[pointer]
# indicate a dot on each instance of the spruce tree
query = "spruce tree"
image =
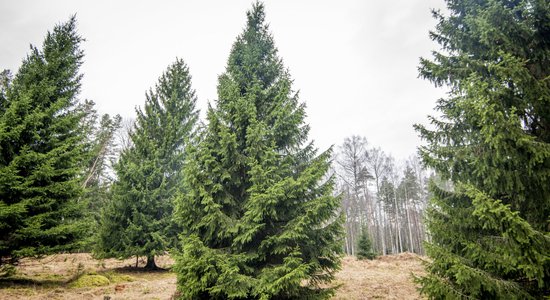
(42, 150)
(137, 220)
(387, 195)
(490, 234)
(364, 246)
(259, 217)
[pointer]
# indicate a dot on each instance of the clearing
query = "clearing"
(79, 276)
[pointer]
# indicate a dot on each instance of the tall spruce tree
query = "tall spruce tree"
(490, 234)
(259, 215)
(42, 150)
(137, 220)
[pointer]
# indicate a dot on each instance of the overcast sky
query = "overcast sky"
(354, 62)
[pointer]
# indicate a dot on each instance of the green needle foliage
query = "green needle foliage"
(137, 220)
(364, 246)
(490, 235)
(42, 150)
(259, 217)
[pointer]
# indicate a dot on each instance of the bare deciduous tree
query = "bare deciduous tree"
(386, 200)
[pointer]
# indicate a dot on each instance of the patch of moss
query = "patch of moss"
(117, 278)
(7, 271)
(90, 280)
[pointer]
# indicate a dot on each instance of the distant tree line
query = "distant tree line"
(381, 198)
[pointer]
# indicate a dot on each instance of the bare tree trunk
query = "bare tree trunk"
(381, 228)
(376, 232)
(397, 223)
(349, 236)
(352, 236)
(390, 231)
(346, 242)
(92, 171)
(372, 224)
(411, 244)
(419, 230)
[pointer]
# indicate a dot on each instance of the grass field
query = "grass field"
(79, 276)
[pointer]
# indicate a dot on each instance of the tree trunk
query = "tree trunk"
(397, 220)
(381, 214)
(382, 227)
(411, 242)
(390, 227)
(151, 263)
(353, 239)
(346, 243)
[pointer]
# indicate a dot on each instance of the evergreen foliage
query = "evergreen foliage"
(490, 235)
(259, 217)
(102, 155)
(387, 195)
(409, 188)
(42, 150)
(364, 246)
(137, 220)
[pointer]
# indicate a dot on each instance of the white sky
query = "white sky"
(354, 62)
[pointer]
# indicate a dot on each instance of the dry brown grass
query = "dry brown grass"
(51, 277)
(387, 277)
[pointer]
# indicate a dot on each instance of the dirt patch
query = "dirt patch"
(53, 277)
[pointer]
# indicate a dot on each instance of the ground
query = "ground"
(79, 276)
(386, 277)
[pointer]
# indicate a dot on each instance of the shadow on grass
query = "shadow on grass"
(141, 270)
(20, 281)
(49, 281)
(59, 281)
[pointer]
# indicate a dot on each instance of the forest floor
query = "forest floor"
(79, 276)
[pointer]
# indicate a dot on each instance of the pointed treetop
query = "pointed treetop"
(65, 37)
(256, 17)
(253, 58)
